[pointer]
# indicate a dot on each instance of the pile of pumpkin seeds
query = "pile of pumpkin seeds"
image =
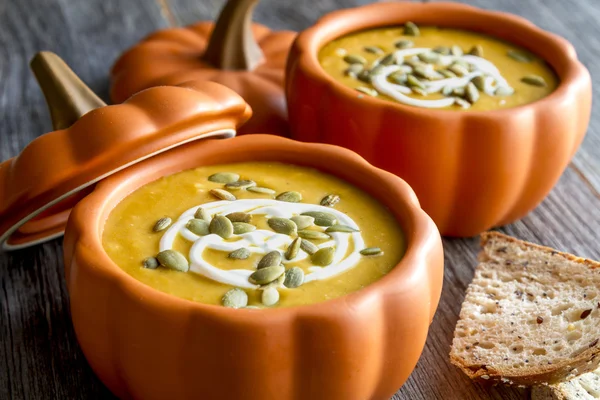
(416, 70)
(270, 272)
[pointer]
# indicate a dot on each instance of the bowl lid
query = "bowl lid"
(92, 141)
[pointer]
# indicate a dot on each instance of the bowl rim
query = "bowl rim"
(83, 238)
(310, 41)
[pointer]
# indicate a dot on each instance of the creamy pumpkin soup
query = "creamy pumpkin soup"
(435, 67)
(253, 235)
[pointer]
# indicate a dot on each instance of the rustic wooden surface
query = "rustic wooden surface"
(39, 355)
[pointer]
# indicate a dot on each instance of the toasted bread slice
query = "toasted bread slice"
(530, 316)
(584, 387)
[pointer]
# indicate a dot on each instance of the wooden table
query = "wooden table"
(39, 355)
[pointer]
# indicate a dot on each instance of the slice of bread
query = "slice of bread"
(530, 316)
(584, 387)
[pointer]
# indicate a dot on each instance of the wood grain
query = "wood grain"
(39, 355)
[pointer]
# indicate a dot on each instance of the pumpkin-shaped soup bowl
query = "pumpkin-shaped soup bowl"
(145, 344)
(472, 170)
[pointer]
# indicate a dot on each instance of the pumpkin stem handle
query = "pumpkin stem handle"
(232, 45)
(67, 96)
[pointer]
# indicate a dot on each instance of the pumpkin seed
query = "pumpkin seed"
(456, 50)
(321, 218)
(411, 29)
(313, 235)
(239, 217)
(479, 82)
(444, 50)
(224, 177)
(341, 228)
(458, 69)
(242, 227)
(376, 70)
(270, 297)
(150, 263)
(429, 57)
(398, 77)
(476, 51)
(266, 275)
(415, 63)
(447, 90)
(367, 91)
(462, 103)
(271, 259)
(243, 184)
(282, 225)
(353, 70)
(323, 257)
(294, 277)
(413, 82)
(371, 251)
(162, 224)
(201, 213)
(355, 59)
(330, 200)
(173, 259)
(293, 248)
(461, 62)
(388, 60)
(364, 76)
(290, 197)
(534, 80)
(471, 93)
(447, 73)
(221, 226)
(504, 91)
(459, 91)
(276, 283)
(261, 190)
(222, 194)
(303, 221)
(373, 49)
(403, 44)
(419, 91)
(240, 254)
(308, 247)
(519, 56)
(198, 226)
(235, 298)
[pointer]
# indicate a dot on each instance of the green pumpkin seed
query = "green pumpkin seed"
(419, 91)
(471, 93)
(456, 50)
(150, 263)
(403, 44)
(459, 91)
(323, 257)
(353, 70)
(242, 227)
(293, 248)
(303, 221)
(222, 194)
(447, 73)
(276, 283)
(261, 190)
(444, 50)
(330, 200)
(313, 235)
(162, 224)
(476, 51)
(308, 247)
(367, 91)
(458, 70)
(271, 259)
(447, 91)
(519, 56)
(414, 82)
(290, 197)
(371, 251)
(235, 298)
(282, 225)
(355, 59)
(479, 82)
(388, 60)
(504, 91)
(294, 277)
(198, 226)
(411, 29)
(373, 49)
(376, 70)
(534, 80)
(201, 213)
(221, 226)
(414, 63)
(429, 57)
(462, 103)
(244, 184)
(270, 297)
(341, 228)
(239, 217)
(322, 218)
(173, 259)
(398, 77)
(240, 254)
(266, 275)
(364, 76)
(224, 177)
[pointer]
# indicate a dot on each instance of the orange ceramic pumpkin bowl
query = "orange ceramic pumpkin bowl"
(145, 344)
(471, 170)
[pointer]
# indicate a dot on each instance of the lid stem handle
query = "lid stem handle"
(68, 98)
(232, 45)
